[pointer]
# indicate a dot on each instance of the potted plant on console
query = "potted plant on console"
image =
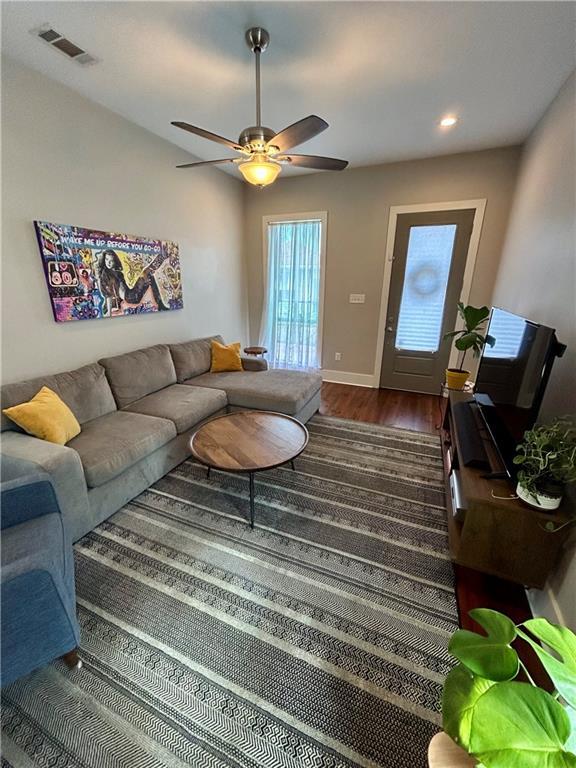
(547, 463)
(469, 337)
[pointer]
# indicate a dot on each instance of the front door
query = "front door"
(430, 251)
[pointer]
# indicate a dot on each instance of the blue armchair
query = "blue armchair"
(37, 576)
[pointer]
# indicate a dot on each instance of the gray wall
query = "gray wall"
(537, 278)
(68, 160)
(358, 203)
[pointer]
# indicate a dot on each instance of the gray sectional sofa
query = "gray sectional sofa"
(137, 412)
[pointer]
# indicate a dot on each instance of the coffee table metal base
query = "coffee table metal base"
(251, 484)
(251, 476)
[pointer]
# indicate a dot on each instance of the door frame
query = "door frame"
(479, 207)
(271, 218)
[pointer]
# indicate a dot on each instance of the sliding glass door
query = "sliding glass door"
(294, 279)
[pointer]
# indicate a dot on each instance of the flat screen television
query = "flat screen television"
(512, 378)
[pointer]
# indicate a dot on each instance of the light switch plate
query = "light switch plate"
(357, 298)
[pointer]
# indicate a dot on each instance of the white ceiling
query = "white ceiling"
(381, 73)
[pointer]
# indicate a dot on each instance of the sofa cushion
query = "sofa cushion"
(273, 390)
(110, 444)
(185, 406)
(139, 373)
(85, 391)
(192, 358)
(254, 363)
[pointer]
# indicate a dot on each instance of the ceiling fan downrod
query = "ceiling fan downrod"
(257, 40)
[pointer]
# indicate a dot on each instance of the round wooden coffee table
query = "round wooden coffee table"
(249, 441)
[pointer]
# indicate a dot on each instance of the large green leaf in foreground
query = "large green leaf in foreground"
(488, 656)
(562, 671)
(459, 698)
(515, 725)
(571, 743)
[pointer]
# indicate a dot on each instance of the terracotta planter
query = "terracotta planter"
(456, 379)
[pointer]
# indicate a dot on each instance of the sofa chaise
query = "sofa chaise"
(137, 412)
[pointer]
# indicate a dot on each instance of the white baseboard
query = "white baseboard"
(543, 603)
(346, 377)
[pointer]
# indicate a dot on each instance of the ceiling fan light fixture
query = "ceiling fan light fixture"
(259, 170)
(448, 121)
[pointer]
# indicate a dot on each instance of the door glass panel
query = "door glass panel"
(424, 292)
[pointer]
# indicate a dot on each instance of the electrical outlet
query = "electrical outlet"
(357, 298)
(338, 356)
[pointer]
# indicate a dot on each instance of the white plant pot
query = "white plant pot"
(539, 500)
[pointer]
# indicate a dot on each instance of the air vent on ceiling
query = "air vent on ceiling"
(62, 44)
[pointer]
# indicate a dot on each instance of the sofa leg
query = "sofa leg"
(72, 660)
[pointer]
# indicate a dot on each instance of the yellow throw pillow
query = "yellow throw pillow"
(45, 416)
(225, 357)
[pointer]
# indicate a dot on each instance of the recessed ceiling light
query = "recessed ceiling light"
(448, 121)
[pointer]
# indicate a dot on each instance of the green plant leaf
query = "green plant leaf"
(561, 639)
(549, 452)
(562, 671)
(466, 341)
(570, 745)
(489, 656)
(490, 340)
(461, 693)
(474, 316)
(516, 725)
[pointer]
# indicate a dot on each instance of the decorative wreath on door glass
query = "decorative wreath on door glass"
(424, 281)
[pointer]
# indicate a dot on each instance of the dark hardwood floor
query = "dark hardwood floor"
(381, 406)
(423, 413)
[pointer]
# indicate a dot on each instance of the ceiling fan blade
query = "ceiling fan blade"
(206, 134)
(315, 161)
(206, 162)
(298, 133)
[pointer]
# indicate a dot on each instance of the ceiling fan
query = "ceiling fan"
(262, 149)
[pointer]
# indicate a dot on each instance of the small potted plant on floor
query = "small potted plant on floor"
(494, 718)
(547, 461)
(470, 337)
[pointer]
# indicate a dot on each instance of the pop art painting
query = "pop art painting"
(93, 274)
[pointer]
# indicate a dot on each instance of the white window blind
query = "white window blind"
(292, 304)
(426, 276)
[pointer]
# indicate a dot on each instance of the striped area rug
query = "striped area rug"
(318, 639)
